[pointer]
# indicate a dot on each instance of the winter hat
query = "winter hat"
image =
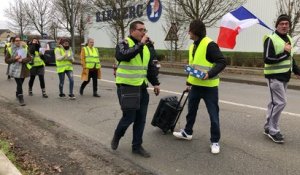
(283, 17)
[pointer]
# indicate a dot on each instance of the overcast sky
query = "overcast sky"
(4, 5)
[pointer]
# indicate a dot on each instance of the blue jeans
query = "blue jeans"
(137, 117)
(62, 80)
(211, 99)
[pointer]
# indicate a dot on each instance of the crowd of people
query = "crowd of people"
(26, 60)
(136, 68)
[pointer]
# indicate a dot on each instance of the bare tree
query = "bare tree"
(84, 20)
(17, 17)
(208, 11)
(67, 15)
(291, 8)
(39, 13)
(117, 15)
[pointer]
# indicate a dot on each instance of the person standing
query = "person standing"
(6, 47)
(279, 63)
(37, 67)
(18, 56)
(135, 68)
(91, 66)
(204, 55)
(64, 58)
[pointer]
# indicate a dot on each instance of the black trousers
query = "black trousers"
(94, 75)
(41, 78)
(19, 82)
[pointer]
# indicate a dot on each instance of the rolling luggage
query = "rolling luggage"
(168, 112)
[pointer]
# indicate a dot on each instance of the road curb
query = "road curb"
(6, 167)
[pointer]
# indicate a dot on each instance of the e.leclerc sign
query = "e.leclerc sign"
(154, 10)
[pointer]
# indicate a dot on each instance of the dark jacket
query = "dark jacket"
(25, 72)
(213, 55)
(270, 57)
(124, 53)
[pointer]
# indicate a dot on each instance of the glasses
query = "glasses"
(142, 30)
(18, 40)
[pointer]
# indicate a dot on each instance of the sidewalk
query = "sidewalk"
(246, 75)
(6, 167)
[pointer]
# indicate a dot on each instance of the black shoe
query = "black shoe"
(277, 138)
(45, 95)
(30, 92)
(115, 142)
(62, 95)
(266, 132)
(21, 100)
(72, 97)
(96, 95)
(141, 152)
(81, 91)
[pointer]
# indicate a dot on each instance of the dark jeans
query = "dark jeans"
(137, 117)
(211, 99)
(31, 81)
(19, 82)
(62, 80)
(94, 75)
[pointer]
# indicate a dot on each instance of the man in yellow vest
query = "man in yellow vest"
(279, 63)
(91, 66)
(6, 47)
(204, 55)
(64, 65)
(135, 68)
(37, 67)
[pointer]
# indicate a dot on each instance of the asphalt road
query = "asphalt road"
(244, 149)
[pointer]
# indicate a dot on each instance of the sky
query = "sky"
(3, 20)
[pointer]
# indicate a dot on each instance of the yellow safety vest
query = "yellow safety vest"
(200, 62)
(63, 65)
(37, 61)
(283, 66)
(91, 58)
(10, 50)
(133, 72)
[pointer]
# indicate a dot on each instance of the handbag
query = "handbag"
(130, 97)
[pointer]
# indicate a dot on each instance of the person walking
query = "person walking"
(6, 47)
(279, 63)
(204, 55)
(64, 58)
(135, 68)
(18, 56)
(91, 66)
(37, 67)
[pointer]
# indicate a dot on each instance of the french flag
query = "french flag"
(232, 23)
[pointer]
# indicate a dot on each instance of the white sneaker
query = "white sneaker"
(215, 148)
(182, 135)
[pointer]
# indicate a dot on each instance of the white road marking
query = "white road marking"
(221, 101)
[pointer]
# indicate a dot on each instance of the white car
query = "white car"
(2, 44)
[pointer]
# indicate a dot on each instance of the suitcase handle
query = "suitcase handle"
(178, 105)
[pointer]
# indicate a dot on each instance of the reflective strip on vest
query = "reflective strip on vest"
(91, 58)
(200, 62)
(283, 66)
(63, 65)
(132, 67)
(133, 72)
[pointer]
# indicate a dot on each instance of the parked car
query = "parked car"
(47, 48)
(2, 44)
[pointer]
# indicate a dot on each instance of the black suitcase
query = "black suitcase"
(168, 112)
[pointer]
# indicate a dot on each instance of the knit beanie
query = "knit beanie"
(283, 17)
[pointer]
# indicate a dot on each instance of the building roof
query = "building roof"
(5, 30)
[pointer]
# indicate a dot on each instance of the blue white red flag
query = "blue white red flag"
(234, 22)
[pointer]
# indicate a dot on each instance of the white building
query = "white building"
(249, 40)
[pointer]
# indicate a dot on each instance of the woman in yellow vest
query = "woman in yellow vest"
(91, 66)
(37, 67)
(64, 58)
(204, 55)
(18, 56)
(6, 47)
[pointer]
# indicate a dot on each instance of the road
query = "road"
(244, 149)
